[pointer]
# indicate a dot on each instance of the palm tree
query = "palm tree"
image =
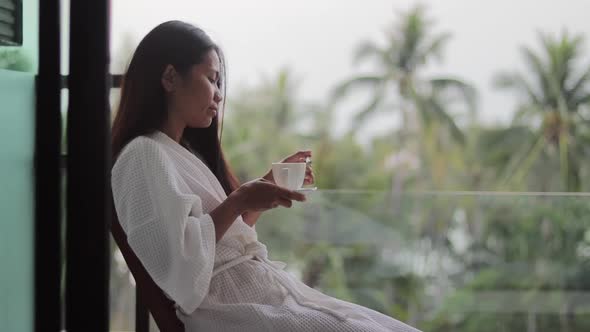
(428, 129)
(440, 138)
(554, 97)
(411, 44)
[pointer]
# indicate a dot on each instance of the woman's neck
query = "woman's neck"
(173, 129)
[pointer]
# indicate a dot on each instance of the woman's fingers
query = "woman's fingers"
(264, 180)
(309, 176)
(284, 202)
(291, 195)
(282, 196)
(299, 156)
(303, 154)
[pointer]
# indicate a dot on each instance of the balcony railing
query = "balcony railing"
(443, 261)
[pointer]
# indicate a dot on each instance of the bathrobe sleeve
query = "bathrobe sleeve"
(164, 222)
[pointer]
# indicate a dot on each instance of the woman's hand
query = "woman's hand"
(261, 195)
(251, 198)
(298, 157)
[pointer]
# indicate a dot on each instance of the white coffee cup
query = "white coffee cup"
(289, 175)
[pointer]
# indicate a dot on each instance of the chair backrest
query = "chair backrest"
(161, 307)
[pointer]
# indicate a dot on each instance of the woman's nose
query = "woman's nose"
(217, 97)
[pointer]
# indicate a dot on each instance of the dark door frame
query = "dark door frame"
(88, 165)
(88, 169)
(47, 173)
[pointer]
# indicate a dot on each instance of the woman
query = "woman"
(185, 215)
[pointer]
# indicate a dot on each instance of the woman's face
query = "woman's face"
(194, 100)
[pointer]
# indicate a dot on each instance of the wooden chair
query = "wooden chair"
(152, 296)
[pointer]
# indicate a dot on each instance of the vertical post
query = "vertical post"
(47, 172)
(88, 190)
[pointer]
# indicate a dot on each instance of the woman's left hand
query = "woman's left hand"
(298, 157)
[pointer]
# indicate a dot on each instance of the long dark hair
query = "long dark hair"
(142, 109)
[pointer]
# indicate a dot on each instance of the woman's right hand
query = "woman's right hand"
(261, 195)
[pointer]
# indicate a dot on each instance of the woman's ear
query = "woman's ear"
(169, 78)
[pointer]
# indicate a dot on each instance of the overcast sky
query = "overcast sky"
(317, 38)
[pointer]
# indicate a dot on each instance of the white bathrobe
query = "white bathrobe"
(163, 194)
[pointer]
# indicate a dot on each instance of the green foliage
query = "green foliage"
(429, 106)
(554, 95)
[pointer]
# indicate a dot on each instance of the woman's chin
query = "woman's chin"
(203, 124)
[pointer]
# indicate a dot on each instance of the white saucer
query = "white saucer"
(306, 189)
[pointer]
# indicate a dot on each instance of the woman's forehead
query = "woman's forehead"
(211, 61)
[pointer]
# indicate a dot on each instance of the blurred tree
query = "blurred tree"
(428, 128)
(410, 45)
(553, 97)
